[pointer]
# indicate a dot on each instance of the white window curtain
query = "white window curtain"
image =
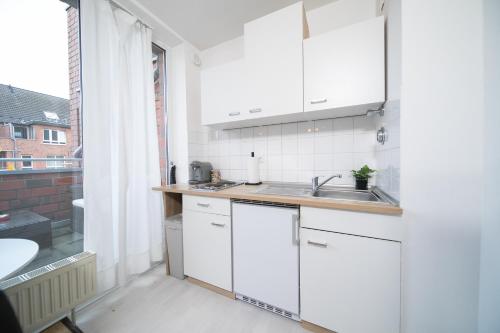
(122, 214)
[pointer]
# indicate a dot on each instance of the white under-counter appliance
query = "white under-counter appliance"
(266, 255)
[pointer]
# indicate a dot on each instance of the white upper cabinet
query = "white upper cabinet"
(222, 98)
(273, 61)
(345, 68)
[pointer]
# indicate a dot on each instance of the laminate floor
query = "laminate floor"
(157, 303)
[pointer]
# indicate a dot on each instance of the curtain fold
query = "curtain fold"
(122, 214)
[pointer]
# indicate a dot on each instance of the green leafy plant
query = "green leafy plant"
(363, 174)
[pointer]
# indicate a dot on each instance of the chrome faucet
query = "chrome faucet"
(316, 186)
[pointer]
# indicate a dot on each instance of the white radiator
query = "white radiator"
(45, 294)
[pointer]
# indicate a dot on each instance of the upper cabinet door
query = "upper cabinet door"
(273, 60)
(222, 95)
(345, 67)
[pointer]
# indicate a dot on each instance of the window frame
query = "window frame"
(59, 134)
(30, 162)
(25, 128)
(55, 165)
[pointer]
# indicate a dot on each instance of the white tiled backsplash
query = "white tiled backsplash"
(388, 155)
(291, 152)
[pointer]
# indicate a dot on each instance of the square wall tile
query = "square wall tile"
(274, 132)
(289, 145)
(343, 126)
(306, 145)
(323, 162)
(290, 162)
(323, 144)
(343, 143)
(305, 128)
(323, 127)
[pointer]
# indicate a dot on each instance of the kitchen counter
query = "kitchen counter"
(173, 203)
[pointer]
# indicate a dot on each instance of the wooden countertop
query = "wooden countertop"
(247, 192)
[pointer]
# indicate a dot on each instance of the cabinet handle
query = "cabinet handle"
(319, 101)
(218, 224)
(295, 229)
(232, 114)
(256, 110)
(203, 205)
(321, 244)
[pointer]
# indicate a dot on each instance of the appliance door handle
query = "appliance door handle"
(256, 110)
(320, 244)
(295, 229)
(319, 101)
(232, 114)
(203, 205)
(218, 224)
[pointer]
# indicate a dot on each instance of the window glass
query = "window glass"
(27, 164)
(3, 164)
(159, 86)
(20, 132)
(41, 179)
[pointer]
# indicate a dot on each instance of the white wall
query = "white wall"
(229, 51)
(322, 19)
(441, 163)
(388, 155)
(177, 120)
(489, 300)
(340, 13)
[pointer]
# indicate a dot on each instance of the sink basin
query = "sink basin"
(324, 192)
(347, 195)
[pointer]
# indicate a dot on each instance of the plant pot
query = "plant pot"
(362, 184)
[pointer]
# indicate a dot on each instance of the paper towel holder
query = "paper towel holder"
(252, 155)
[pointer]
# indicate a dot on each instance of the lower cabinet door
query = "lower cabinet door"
(207, 248)
(350, 284)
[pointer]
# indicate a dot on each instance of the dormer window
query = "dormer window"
(51, 116)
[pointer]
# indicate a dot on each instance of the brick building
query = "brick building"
(75, 115)
(33, 125)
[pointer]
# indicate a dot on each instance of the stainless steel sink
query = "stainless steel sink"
(347, 195)
(330, 192)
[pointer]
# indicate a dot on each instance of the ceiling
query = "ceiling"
(206, 23)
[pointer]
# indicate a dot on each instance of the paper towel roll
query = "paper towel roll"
(253, 170)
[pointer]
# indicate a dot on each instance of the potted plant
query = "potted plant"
(362, 175)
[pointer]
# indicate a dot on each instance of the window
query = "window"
(22, 132)
(3, 165)
(54, 137)
(44, 115)
(58, 163)
(159, 86)
(27, 164)
(51, 115)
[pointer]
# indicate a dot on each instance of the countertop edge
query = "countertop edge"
(356, 206)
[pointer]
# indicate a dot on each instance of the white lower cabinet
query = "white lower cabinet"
(350, 284)
(207, 248)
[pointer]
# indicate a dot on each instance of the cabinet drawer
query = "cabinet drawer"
(207, 248)
(206, 204)
(355, 223)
